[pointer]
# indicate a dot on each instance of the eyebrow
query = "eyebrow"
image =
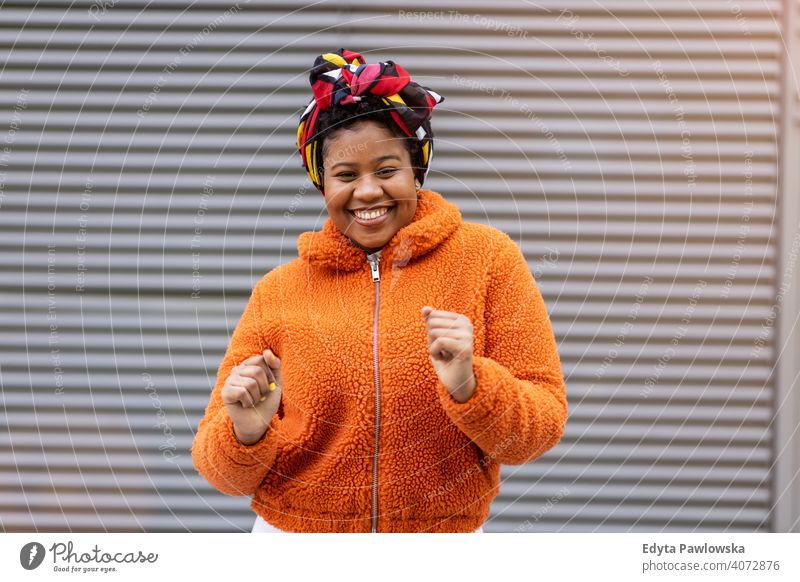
(379, 159)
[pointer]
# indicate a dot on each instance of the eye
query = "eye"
(387, 171)
(344, 174)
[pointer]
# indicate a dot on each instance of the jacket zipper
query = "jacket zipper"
(374, 263)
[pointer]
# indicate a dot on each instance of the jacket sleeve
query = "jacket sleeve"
(519, 407)
(228, 465)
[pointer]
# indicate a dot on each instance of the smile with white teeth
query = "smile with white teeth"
(372, 214)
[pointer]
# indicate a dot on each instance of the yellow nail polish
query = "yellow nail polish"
(272, 386)
(263, 398)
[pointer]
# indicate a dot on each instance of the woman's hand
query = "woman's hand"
(247, 396)
(450, 345)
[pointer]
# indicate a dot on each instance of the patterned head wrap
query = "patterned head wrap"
(342, 78)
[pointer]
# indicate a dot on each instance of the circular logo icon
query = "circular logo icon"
(31, 555)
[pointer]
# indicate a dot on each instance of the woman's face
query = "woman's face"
(366, 166)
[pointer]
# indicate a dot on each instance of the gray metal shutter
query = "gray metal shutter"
(149, 178)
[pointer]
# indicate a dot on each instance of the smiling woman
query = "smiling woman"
(413, 349)
(371, 193)
(369, 167)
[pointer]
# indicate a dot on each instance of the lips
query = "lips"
(375, 221)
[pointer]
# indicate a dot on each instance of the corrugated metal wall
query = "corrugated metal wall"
(149, 178)
(786, 474)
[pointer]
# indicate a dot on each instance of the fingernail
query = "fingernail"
(272, 387)
(263, 398)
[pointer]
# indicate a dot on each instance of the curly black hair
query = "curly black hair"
(333, 120)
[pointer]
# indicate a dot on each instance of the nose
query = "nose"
(368, 188)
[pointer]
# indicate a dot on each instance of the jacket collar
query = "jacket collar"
(434, 220)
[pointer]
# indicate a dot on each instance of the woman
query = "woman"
(414, 349)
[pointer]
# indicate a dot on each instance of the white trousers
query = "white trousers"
(262, 526)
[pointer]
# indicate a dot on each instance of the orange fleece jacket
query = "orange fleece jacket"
(355, 394)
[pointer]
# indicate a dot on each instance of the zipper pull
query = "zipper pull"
(373, 263)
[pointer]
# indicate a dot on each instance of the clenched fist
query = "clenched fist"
(450, 345)
(252, 395)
